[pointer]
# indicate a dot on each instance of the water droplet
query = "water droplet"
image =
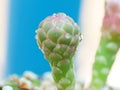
(80, 37)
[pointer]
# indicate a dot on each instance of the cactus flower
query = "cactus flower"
(58, 37)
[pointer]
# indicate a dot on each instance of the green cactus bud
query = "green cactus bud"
(58, 37)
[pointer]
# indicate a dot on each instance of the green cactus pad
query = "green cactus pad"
(58, 37)
(108, 46)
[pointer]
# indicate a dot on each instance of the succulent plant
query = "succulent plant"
(109, 44)
(58, 37)
(28, 81)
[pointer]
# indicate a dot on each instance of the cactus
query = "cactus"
(58, 37)
(109, 45)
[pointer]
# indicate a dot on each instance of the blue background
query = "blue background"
(25, 15)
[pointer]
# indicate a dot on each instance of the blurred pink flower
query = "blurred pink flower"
(112, 15)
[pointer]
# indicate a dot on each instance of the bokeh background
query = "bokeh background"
(18, 48)
(24, 16)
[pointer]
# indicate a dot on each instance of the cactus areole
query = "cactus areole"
(58, 37)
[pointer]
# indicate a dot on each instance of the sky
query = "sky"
(24, 18)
